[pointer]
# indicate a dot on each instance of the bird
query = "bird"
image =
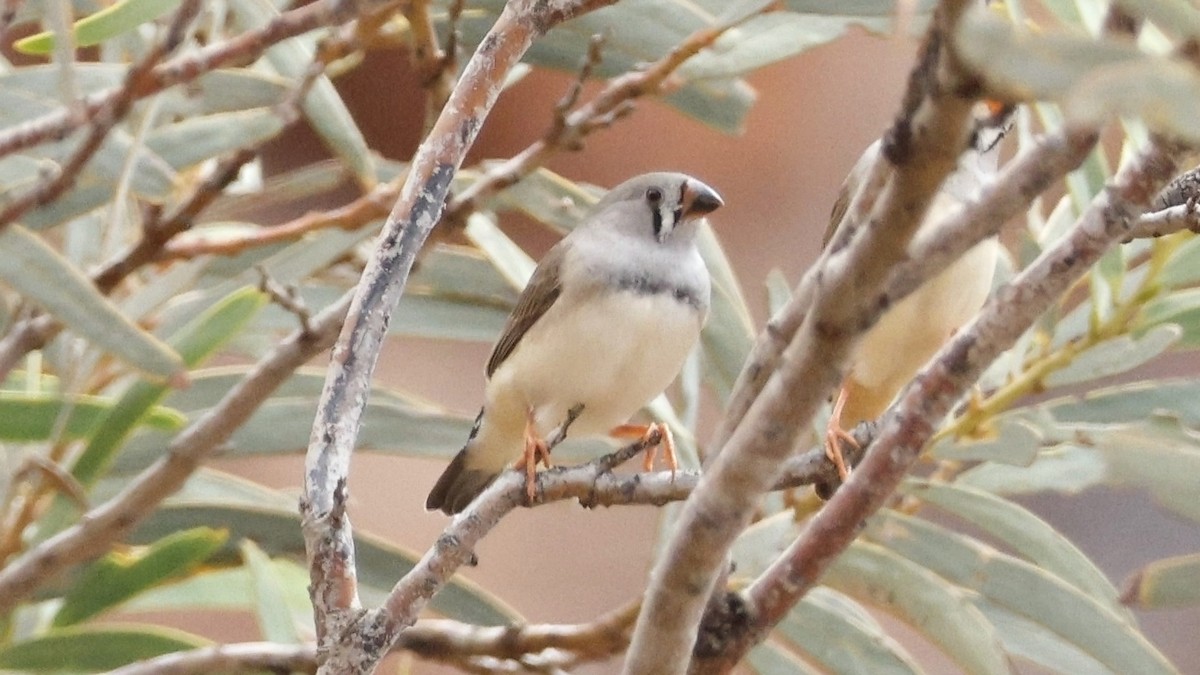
(909, 333)
(604, 325)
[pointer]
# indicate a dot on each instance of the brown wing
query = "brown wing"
(543, 289)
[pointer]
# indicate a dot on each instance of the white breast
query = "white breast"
(612, 353)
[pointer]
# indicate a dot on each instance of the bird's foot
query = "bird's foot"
(834, 436)
(536, 450)
(642, 432)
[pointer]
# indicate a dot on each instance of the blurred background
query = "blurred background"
(779, 177)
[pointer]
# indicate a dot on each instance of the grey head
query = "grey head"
(661, 206)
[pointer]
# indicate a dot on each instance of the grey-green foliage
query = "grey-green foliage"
(1009, 588)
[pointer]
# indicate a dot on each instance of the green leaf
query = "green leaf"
(1023, 588)
(1181, 308)
(323, 107)
(779, 291)
(1093, 80)
(1132, 402)
(195, 139)
(1182, 269)
(26, 418)
(546, 197)
(195, 342)
(1030, 641)
(1021, 529)
(38, 272)
(769, 658)
(92, 649)
(763, 40)
(274, 616)
(842, 637)
(271, 522)
(510, 261)
(117, 577)
(1116, 356)
(1159, 456)
(729, 334)
(941, 612)
(226, 589)
(1165, 584)
(1012, 439)
(1069, 469)
(119, 17)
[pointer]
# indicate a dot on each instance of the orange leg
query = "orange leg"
(835, 434)
(642, 431)
(536, 451)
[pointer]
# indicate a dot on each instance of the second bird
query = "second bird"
(606, 322)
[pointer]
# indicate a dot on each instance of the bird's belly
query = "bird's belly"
(910, 333)
(612, 354)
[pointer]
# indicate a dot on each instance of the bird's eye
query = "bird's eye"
(654, 195)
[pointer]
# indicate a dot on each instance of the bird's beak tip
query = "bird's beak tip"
(699, 199)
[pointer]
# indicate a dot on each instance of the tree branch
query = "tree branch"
(684, 576)
(909, 424)
(352, 646)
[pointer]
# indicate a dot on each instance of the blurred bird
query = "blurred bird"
(606, 322)
(912, 331)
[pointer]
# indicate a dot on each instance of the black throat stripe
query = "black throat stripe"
(642, 285)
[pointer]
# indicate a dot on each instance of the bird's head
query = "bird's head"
(658, 205)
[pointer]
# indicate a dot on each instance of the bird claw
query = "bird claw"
(536, 450)
(643, 432)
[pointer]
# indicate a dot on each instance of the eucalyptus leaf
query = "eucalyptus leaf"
(1182, 269)
(1021, 529)
(195, 342)
(277, 531)
(1094, 80)
(323, 107)
(762, 40)
(1010, 439)
(943, 613)
(195, 139)
(274, 617)
(1028, 640)
(117, 18)
(1181, 308)
(117, 577)
(1116, 356)
(769, 658)
(90, 649)
(39, 273)
(1023, 588)
(842, 641)
(1165, 584)
(27, 418)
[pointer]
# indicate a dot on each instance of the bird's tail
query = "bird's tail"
(459, 484)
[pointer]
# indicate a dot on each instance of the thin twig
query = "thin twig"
(231, 658)
(103, 120)
(60, 123)
(287, 297)
(568, 131)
